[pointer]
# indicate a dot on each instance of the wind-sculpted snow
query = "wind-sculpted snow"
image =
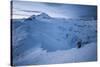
(40, 37)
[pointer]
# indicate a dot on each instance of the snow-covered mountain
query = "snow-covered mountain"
(51, 34)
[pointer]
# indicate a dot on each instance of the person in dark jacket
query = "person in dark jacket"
(79, 44)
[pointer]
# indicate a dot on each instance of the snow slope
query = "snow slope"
(39, 56)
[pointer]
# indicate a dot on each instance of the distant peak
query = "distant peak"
(43, 15)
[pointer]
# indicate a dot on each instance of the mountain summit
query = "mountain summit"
(43, 15)
(39, 16)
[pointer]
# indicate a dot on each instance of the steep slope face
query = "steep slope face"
(40, 31)
(51, 34)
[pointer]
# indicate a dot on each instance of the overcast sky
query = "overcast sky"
(22, 9)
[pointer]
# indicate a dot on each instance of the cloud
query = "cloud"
(25, 10)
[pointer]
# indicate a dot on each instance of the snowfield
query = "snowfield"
(39, 56)
(42, 39)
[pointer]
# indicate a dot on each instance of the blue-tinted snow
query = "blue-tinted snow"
(40, 56)
(40, 37)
